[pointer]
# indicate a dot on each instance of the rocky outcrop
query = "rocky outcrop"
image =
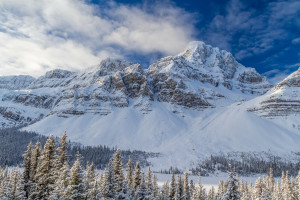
(282, 100)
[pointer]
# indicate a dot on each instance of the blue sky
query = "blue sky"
(74, 34)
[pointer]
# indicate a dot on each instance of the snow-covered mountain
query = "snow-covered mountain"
(185, 106)
(281, 103)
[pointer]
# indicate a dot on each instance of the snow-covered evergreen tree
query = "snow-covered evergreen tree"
(186, 186)
(76, 187)
(232, 192)
(12, 188)
(45, 175)
(61, 183)
(165, 191)
(90, 181)
(26, 180)
(172, 189)
(137, 176)
(179, 193)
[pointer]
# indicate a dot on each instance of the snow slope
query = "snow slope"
(182, 137)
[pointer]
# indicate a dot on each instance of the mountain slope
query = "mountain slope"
(281, 103)
(182, 137)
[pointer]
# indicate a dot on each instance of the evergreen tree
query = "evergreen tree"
(62, 151)
(76, 187)
(129, 174)
(61, 183)
(186, 186)
(136, 176)
(149, 183)
(26, 170)
(165, 191)
(90, 180)
(141, 192)
(199, 193)
(232, 192)
(211, 194)
(45, 175)
(179, 194)
(172, 189)
(155, 188)
(118, 176)
(12, 188)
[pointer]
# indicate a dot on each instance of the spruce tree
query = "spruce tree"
(179, 193)
(26, 170)
(45, 175)
(232, 192)
(186, 186)
(172, 187)
(76, 187)
(118, 175)
(165, 191)
(129, 174)
(136, 176)
(90, 180)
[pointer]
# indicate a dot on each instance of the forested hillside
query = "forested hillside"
(13, 143)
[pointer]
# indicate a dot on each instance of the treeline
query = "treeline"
(13, 143)
(246, 164)
(47, 175)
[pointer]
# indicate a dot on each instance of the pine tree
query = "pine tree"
(155, 188)
(149, 183)
(211, 194)
(26, 170)
(36, 153)
(172, 190)
(35, 157)
(129, 174)
(12, 188)
(136, 176)
(76, 187)
(90, 180)
(45, 176)
(232, 192)
(118, 176)
(62, 151)
(179, 193)
(141, 192)
(61, 183)
(186, 186)
(192, 188)
(165, 191)
(199, 193)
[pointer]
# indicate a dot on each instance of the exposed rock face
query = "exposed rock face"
(196, 79)
(206, 64)
(282, 100)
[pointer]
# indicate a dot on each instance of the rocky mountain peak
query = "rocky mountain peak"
(292, 80)
(111, 65)
(57, 73)
(282, 100)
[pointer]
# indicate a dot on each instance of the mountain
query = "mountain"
(281, 103)
(186, 107)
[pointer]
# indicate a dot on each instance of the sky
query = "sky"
(38, 36)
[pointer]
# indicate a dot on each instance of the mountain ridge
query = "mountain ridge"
(199, 101)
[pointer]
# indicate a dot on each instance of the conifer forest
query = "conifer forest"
(46, 174)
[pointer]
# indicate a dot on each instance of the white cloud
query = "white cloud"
(41, 35)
